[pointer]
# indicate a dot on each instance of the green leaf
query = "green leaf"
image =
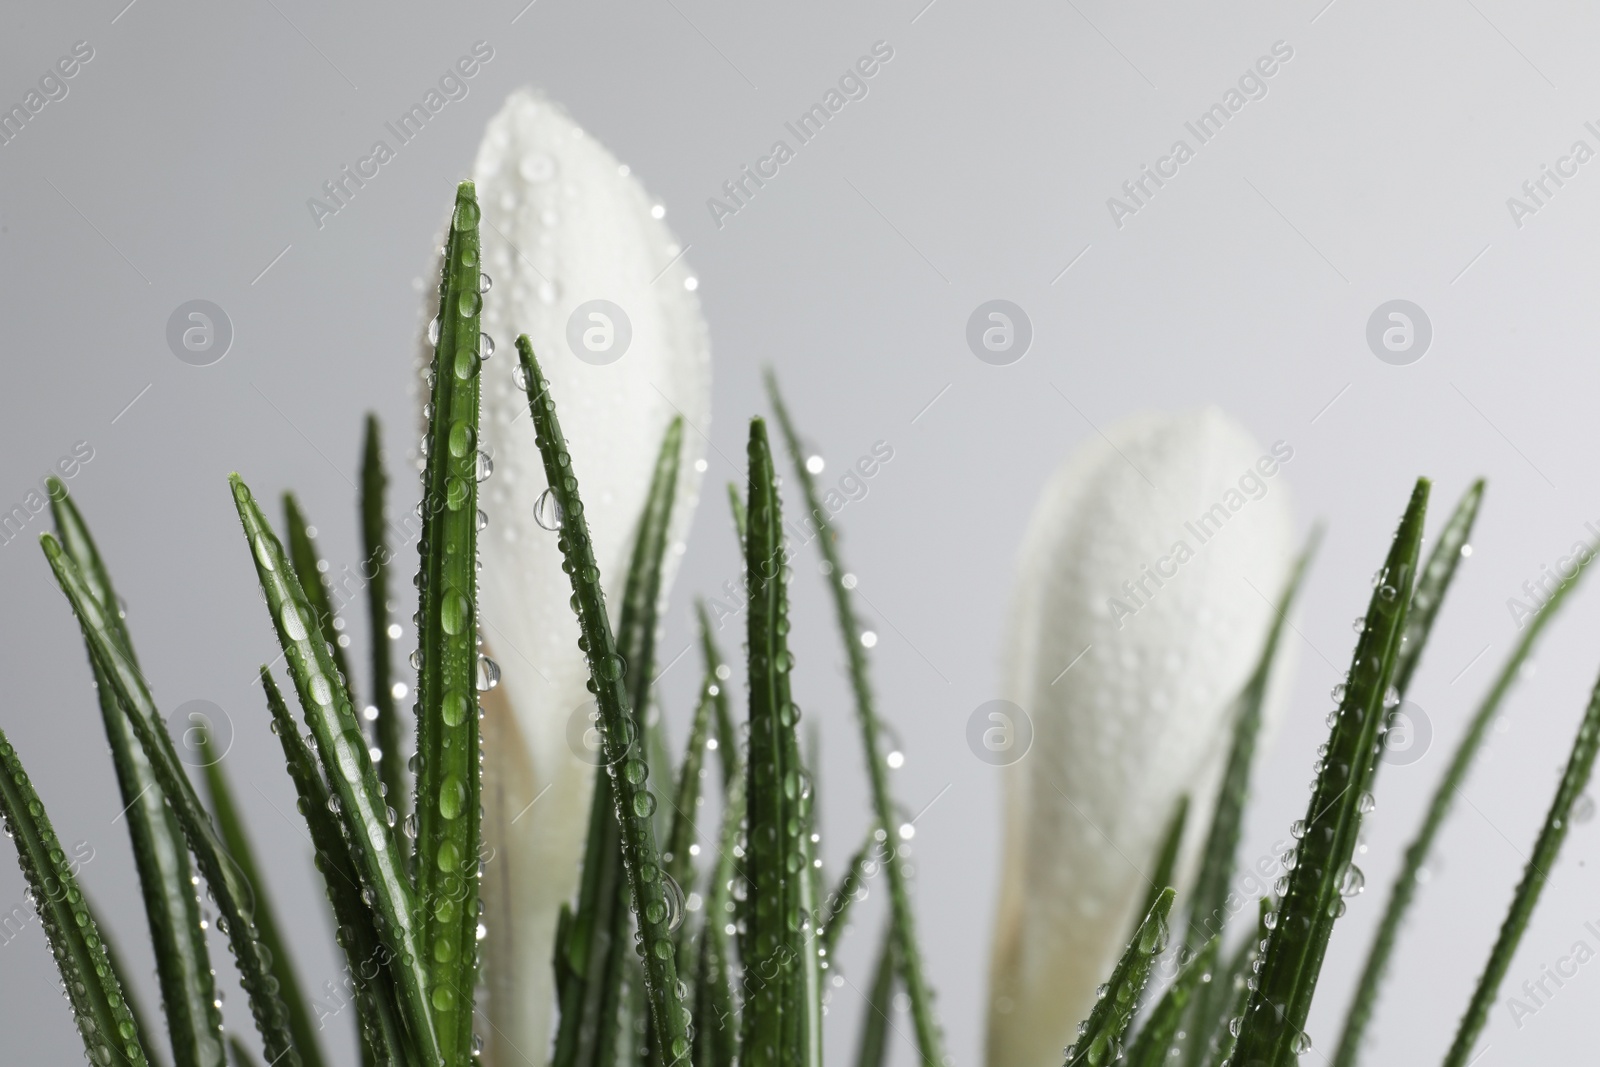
(836, 907)
(342, 750)
(1225, 1030)
(1545, 852)
(226, 815)
(783, 1019)
(717, 667)
(686, 810)
(378, 1001)
(231, 891)
(240, 1054)
(620, 736)
(93, 988)
(873, 1051)
(736, 503)
(1153, 1046)
(141, 1018)
(930, 1041)
(1274, 1022)
(375, 550)
(1166, 866)
(1099, 1041)
(1431, 587)
(717, 1026)
(308, 563)
(172, 909)
(449, 773)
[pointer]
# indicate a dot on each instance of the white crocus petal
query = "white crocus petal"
(1140, 718)
(563, 224)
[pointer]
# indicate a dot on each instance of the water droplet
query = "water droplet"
(488, 674)
(547, 511)
(1270, 920)
(1583, 809)
(1336, 908)
(672, 892)
(454, 613)
(1366, 804)
(1297, 829)
(1301, 1043)
(444, 998)
(482, 467)
(460, 438)
(455, 707)
(1351, 881)
(1387, 592)
(294, 626)
(264, 552)
(519, 377)
(469, 304)
(452, 795)
(448, 857)
(433, 331)
(1337, 693)
(466, 214)
(644, 804)
(416, 659)
(485, 283)
(1391, 697)
(1333, 719)
(485, 346)
(321, 691)
(483, 524)
(467, 363)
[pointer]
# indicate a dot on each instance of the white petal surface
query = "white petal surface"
(1141, 718)
(563, 224)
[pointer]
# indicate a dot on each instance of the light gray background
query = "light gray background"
(1377, 167)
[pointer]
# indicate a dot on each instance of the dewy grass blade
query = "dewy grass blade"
(342, 750)
(736, 504)
(1161, 876)
(930, 1042)
(141, 1018)
(1100, 1037)
(782, 1019)
(232, 893)
(172, 907)
(717, 667)
(1436, 576)
(93, 988)
(591, 943)
(621, 740)
(836, 908)
(1273, 1030)
(686, 809)
(1153, 1046)
(375, 572)
(308, 564)
(1208, 911)
(240, 1054)
(873, 1051)
(226, 816)
(717, 1027)
(1545, 852)
(377, 1000)
(449, 771)
(1236, 985)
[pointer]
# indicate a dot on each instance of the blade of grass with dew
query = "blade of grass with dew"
(341, 748)
(172, 907)
(1100, 1036)
(1153, 1045)
(1161, 876)
(225, 813)
(240, 1054)
(635, 805)
(717, 667)
(716, 1025)
(930, 1041)
(116, 961)
(1208, 911)
(451, 671)
(231, 892)
(308, 563)
(736, 503)
(1435, 581)
(782, 1020)
(1546, 850)
(93, 987)
(1274, 1021)
(1237, 985)
(377, 1000)
(836, 907)
(686, 810)
(375, 550)
(873, 1050)
(590, 956)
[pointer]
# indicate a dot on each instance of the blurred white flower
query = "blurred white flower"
(564, 225)
(1144, 592)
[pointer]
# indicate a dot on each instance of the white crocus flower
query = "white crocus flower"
(564, 225)
(1146, 585)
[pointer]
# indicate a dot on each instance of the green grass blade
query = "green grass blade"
(449, 772)
(1545, 852)
(172, 908)
(930, 1041)
(1274, 1022)
(1153, 1046)
(836, 906)
(717, 667)
(239, 1054)
(377, 998)
(342, 750)
(620, 737)
(686, 810)
(94, 989)
(873, 1050)
(375, 550)
(1100, 1036)
(231, 891)
(1435, 581)
(308, 564)
(225, 813)
(782, 1021)
(1162, 875)
(141, 1018)
(1220, 1035)
(736, 504)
